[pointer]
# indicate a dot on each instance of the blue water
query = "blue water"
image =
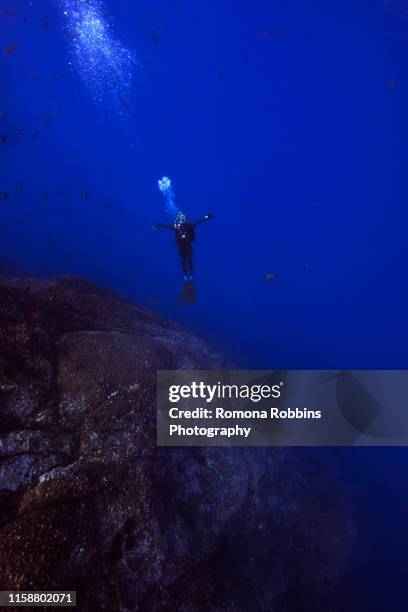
(288, 121)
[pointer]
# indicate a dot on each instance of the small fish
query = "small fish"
(33, 74)
(65, 189)
(45, 195)
(3, 137)
(266, 34)
(158, 35)
(5, 195)
(271, 276)
(279, 32)
(18, 132)
(34, 135)
(19, 189)
(56, 76)
(220, 76)
(85, 194)
(1, 114)
(47, 24)
(10, 49)
(392, 84)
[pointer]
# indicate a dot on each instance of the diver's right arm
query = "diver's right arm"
(163, 226)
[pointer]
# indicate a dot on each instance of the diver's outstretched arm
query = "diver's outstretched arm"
(163, 226)
(203, 219)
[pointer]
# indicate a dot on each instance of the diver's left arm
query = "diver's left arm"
(203, 219)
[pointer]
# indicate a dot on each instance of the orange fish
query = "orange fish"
(10, 49)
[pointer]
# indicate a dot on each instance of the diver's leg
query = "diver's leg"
(190, 265)
(183, 259)
(191, 293)
(184, 265)
(190, 262)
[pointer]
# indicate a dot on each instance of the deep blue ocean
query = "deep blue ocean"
(289, 121)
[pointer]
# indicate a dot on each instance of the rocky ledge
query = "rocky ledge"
(89, 503)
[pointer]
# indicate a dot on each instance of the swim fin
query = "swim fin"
(191, 293)
(183, 294)
(187, 293)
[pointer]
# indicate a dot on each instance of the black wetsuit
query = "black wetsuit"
(184, 237)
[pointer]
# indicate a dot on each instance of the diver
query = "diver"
(184, 237)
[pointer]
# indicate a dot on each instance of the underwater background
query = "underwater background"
(288, 121)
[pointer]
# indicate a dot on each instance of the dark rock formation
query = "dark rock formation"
(89, 503)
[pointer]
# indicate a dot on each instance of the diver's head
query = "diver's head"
(180, 219)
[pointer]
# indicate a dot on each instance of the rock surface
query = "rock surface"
(89, 503)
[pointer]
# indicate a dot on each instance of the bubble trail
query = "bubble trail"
(166, 188)
(104, 64)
